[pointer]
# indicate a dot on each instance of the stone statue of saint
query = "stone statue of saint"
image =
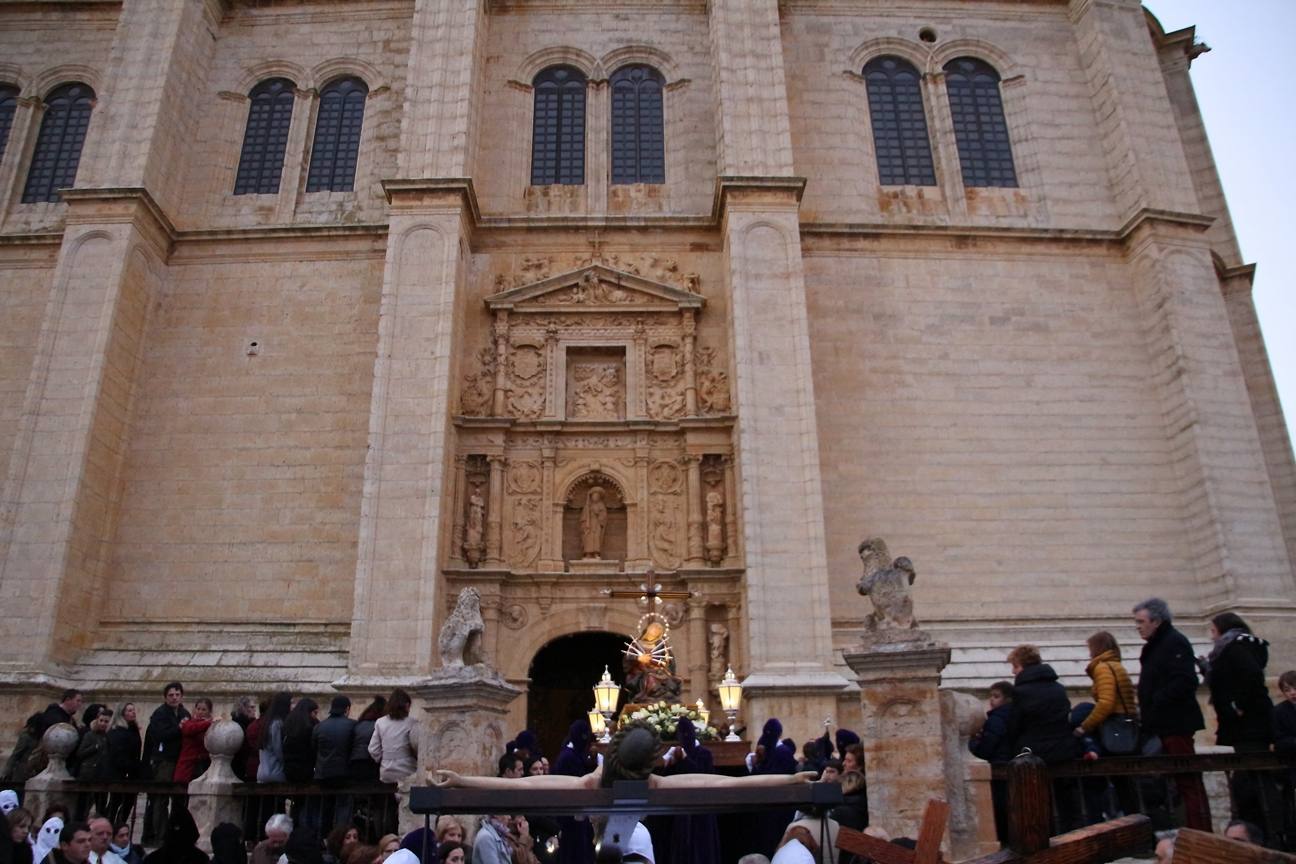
(714, 527)
(886, 583)
(649, 667)
(593, 523)
(718, 644)
(473, 530)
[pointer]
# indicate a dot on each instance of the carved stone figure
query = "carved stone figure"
(479, 386)
(475, 528)
(718, 650)
(886, 583)
(593, 522)
(597, 392)
(460, 639)
(715, 546)
(713, 383)
(526, 532)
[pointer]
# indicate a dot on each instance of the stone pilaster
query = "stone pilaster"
(62, 486)
(441, 102)
(1145, 157)
(1234, 538)
(146, 116)
(904, 749)
(408, 474)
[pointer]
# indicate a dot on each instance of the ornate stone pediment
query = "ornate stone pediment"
(595, 288)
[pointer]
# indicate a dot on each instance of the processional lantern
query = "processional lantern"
(606, 692)
(730, 698)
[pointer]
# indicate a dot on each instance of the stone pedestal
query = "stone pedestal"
(904, 751)
(59, 741)
(211, 796)
(465, 710)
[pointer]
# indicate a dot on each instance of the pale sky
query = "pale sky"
(1243, 87)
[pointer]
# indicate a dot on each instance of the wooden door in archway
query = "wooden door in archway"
(562, 678)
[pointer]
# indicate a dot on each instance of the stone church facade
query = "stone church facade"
(352, 304)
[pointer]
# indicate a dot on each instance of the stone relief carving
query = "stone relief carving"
(479, 386)
(674, 613)
(665, 383)
(665, 477)
(524, 540)
(596, 392)
(461, 634)
(533, 269)
(526, 397)
(715, 542)
(712, 382)
(475, 528)
(514, 616)
(663, 532)
(524, 477)
(886, 583)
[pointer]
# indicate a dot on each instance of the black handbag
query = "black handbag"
(1119, 733)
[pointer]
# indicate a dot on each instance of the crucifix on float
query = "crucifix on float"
(649, 662)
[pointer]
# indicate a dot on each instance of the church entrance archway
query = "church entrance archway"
(562, 677)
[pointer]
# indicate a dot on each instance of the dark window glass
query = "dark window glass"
(58, 146)
(337, 136)
(558, 133)
(900, 137)
(8, 105)
(979, 127)
(269, 117)
(638, 134)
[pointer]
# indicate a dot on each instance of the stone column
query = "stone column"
(698, 653)
(731, 510)
(693, 465)
(211, 796)
(499, 329)
(59, 741)
(460, 503)
(495, 511)
(550, 554)
(904, 749)
(690, 363)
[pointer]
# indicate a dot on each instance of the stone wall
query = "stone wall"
(26, 275)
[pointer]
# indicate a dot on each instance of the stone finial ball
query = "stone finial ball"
(224, 738)
(61, 739)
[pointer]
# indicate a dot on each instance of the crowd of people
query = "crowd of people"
(1159, 714)
(286, 742)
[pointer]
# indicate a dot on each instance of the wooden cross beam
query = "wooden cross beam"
(651, 592)
(1198, 847)
(930, 832)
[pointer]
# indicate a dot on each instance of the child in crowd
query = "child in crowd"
(993, 743)
(1284, 723)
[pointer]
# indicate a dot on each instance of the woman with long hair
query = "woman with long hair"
(270, 746)
(298, 752)
(361, 767)
(1114, 696)
(393, 745)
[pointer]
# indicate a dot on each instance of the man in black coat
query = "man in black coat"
(162, 751)
(1167, 695)
(332, 744)
(62, 711)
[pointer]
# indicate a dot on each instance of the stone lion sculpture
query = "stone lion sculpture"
(886, 583)
(461, 634)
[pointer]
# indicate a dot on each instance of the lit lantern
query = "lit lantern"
(730, 698)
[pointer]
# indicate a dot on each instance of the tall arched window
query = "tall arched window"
(266, 137)
(904, 155)
(638, 129)
(979, 127)
(58, 146)
(337, 136)
(558, 131)
(8, 105)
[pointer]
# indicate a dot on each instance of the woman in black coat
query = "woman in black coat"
(124, 748)
(1042, 724)
(1234, 672)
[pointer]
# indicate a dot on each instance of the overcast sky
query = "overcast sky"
(1246, 97)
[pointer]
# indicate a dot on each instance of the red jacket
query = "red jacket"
(193, 751)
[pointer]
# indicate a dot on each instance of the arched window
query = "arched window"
(337, 136)
(558, 132)
(638, 133)
(58, 146)
(979, 127)
(8, 105)
(266, 137)
(904, 155)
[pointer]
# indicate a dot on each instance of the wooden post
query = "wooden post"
(1030, 805)
(1196, 847)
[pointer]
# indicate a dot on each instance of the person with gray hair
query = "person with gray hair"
(1167, 698)
(277, 829)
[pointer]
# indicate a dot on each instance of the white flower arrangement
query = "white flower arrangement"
(664, 718)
